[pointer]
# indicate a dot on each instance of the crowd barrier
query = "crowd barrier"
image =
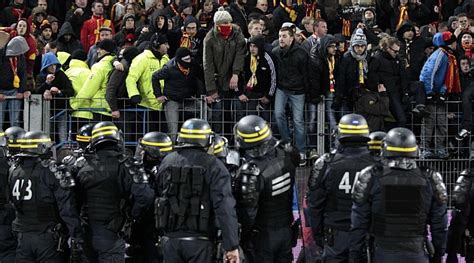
(62, 122)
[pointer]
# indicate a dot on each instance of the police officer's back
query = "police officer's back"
(396, 201)
(330, 187)
(266, 182)
(105, 189)
(41, 204)
(461, 227)
(151, 149)
(195, 196)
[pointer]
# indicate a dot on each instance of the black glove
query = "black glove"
(136, 99)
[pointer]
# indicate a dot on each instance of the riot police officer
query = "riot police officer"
(330, 187)
(194, 196)
(83, 136)
(396, 201)
(266, 181)
(461, 228)
(7, 213)
(376, 143)
(13, 135)
(151, 149)
(105, 186)
(40, 204)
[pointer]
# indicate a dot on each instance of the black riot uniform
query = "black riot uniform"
(42, 205)
(396, 201)
(330, 188)
(151, 149)
(195, 196)
(107, 191)
(265, 192)
(461, 228)
(7, 213)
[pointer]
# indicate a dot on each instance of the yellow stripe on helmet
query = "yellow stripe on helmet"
(401, 149)
(255, 134)
(167, 149)
(104, 129)
(14, 145)
(375, 147)
(34, 140)
(192, 136)
(344, 131)
(356, 127)
(103, 133)
(157, 144)
(259, 138)
(218, 150)
(29, 146)
(196, 131)
(2, 134)
(375, 142)
(81, 138)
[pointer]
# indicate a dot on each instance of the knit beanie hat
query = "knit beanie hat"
(222, 16)
(448, 38)
(79, 54)
(358, 38)
(130, 53)
(107, 45)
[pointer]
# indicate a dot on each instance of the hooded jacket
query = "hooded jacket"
(266, 71)
(139, 78)
(434, 71)
(319, 73)
(144, 38)
(177, 85)
(197, 42)
(33, 49)
(222, 58)
(61, 81)
(13, 48)
(412, 51)
(92, 93)
(78, 72)
(72, 44)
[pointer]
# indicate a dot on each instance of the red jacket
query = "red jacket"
(90, 30)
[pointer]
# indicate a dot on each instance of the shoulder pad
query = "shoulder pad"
(462, 188)
(249, 168)
(439, 188)
(361, 186)
(316, 171)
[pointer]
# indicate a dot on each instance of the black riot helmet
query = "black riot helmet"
(376, 142)
(195, 133)
(156, 144)
(13, 135)
(105, 131)
(400, 142)
(83, 136)
(353, 128)
(254, 136)
(221, 146)
(35, 144)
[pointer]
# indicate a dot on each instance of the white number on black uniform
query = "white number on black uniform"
(18, 186)
(345, 183)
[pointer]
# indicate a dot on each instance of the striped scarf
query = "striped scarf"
(291, 12)
(403, 15)
(452, 80)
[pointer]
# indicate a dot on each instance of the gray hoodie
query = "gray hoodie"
(17, 46)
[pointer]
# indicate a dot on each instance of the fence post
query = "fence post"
(320, 140)
(203, 108)
(36, 113)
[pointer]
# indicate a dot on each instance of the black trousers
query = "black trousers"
(183, 251)
(37, 247)
(274, 245)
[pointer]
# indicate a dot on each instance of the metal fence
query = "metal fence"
(61, 121)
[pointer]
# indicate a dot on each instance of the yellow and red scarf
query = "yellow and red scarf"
(403, 15)
(185, 41)
(292, 13)
(332, 80)
(14, 67)
(253, 68)
(184, 70)
(451, 80)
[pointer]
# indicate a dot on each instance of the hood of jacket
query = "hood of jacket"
(190, 19)
(48, 60)
(17, 46)
(66, 28)
(154, 18)
(259, 41)
(324, 44)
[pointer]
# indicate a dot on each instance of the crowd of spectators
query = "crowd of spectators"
(374, 57)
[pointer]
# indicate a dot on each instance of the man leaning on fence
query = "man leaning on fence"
(180, 89)
(13, 78)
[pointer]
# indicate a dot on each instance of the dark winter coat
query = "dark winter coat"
(319, 69)
(70, 46)
(384, 69)
(292, 69)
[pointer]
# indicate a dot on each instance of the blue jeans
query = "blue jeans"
(331, 114)
(297, 107)
(312, 123)
(13, 106)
